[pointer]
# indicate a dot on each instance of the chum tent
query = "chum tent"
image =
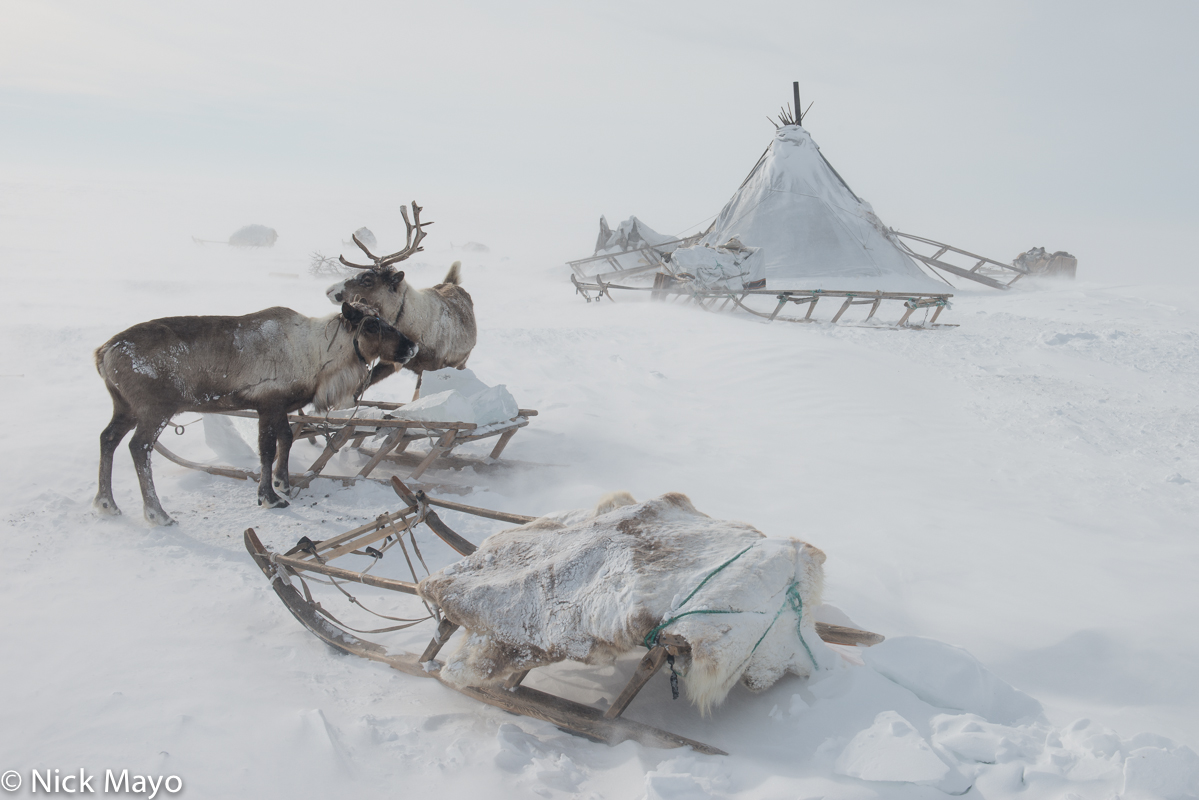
(812, 231)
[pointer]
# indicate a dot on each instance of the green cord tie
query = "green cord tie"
(796, 603)
(651, 638)
(793, 600)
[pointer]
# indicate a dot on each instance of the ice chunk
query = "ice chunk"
(460, 380)
(495, 404)
(1157, 772)
(949, 677)
(892, 750)
(226, 441)
(448, 406)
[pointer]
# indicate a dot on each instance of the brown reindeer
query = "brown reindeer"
(274, 362)
(441, 318)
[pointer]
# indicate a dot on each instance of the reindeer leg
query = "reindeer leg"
(419, 377)
(268, 436)
(284, 437)
(140, 446)
(122, 422)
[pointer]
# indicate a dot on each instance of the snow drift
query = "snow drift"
(590, 585)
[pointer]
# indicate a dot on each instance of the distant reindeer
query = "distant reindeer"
(274, 362)
(441, 319)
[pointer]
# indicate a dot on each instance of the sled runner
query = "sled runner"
(397, 436)
(310, 560)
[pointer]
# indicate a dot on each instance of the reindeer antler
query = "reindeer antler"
(412, 245)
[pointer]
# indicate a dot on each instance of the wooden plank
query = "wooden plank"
(445, 629)
(839, 634)
(358, 422)
(811, 306)
(515, 679)
(334, 444)
(444, 445)
(365, 540)
(964, 273)
(502, 443)
(844, 307)
(443, 531)
(649, 666)
(381, 521)
(224, 472)
(581, 719)
(406, 587)
(384, 448)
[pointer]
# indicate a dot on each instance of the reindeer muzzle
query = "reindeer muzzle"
(406, 351)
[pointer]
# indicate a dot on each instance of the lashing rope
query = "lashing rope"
(792, 600)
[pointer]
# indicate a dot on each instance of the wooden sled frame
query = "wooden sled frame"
(986, 271)
(609, 726)
(398, 435)
(667, 286)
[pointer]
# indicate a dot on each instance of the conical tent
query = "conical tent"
(813, 231)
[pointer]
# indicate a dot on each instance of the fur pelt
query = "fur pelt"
(590, 585)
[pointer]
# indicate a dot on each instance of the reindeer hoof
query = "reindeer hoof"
(106, 507)
(160, 518)
(278, 502)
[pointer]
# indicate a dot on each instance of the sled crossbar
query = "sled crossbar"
(608, 725)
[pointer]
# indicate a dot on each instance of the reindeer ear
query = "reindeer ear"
(352, 314)
(395, 278)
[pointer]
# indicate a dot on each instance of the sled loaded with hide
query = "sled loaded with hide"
(713, 602)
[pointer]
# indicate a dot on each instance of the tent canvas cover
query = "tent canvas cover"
(813, 231)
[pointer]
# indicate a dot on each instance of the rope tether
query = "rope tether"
(792, 600)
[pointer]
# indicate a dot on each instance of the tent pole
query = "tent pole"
(795, 91)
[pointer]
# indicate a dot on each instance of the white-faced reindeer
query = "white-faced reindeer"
(274, 362)
(441, 318)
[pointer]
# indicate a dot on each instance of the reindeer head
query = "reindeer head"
(380, 279)
(374, 338)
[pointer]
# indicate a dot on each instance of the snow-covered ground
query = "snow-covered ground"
(1023, 487)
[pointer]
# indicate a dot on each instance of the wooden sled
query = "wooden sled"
(608, 725)
(672, 288)
(398, 434)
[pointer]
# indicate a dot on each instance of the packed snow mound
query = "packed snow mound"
(254, 236)
(885, 734)
(892, 749)
(456, 395)
(366, 236)
(814, 232)
(589, 586)
(949, 677)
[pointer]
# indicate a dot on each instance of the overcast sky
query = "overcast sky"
(993, 126)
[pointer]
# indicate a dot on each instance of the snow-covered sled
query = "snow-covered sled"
(666, 640)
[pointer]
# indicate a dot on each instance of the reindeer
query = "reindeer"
(274, 362)
(441, 318)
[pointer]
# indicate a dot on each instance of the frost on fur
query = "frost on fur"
(590, 585)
